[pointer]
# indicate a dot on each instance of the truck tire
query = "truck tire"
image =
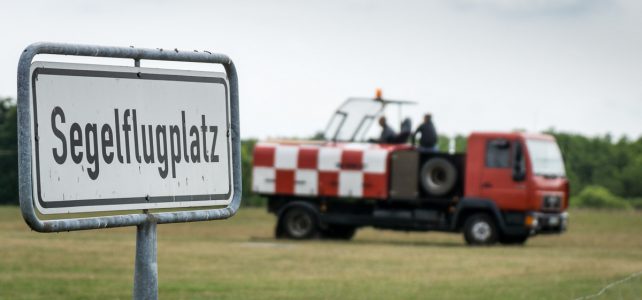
(339, 232)
(438, 176)
(513, 239)
(480, 230)
(299, 223)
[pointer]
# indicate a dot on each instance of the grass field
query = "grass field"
(238, 259)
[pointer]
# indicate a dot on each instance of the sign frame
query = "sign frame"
(25, 138)
(117, 83)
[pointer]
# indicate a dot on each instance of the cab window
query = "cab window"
(498, 153)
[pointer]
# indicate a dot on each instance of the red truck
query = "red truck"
(505, 188)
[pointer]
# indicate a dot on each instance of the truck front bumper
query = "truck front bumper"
(548, 223)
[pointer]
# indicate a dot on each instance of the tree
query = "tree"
(247, 151)
(8, 152)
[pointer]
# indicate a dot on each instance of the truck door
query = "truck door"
(498, 183)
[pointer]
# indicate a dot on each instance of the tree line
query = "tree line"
(602, 171)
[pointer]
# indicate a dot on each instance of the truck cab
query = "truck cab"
(519, 172)
(505, 188)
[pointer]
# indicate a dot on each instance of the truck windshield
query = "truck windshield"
(546, 158)
(352, 120)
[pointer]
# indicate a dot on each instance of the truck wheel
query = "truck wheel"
(339, 232)
(299, 223)
(513, 239)
(438, 176)
(480, 229)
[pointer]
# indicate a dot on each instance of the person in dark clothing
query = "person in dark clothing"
(428, 134)
(387, 134)
(405, 132)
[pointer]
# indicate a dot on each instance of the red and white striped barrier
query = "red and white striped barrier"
(355, 170)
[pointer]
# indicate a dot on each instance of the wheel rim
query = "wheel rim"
(438, 177)
(299, 223)
(481, 231)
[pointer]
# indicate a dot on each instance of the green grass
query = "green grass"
(238, 259)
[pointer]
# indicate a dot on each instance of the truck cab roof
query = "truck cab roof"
(511, 135)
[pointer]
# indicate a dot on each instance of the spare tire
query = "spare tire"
(438, 176)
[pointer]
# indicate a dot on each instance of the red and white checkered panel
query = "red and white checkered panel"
(334, 170)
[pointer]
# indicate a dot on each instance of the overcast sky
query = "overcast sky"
(572, 65)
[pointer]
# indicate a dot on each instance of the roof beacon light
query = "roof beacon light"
(378, 94)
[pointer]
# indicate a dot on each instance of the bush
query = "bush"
(594, 196)
(636, 203)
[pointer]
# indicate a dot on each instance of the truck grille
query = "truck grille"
(551, 202)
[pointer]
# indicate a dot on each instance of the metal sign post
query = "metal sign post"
(146, 268)
(85, 131)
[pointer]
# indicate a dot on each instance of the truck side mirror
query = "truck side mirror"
(519, 165)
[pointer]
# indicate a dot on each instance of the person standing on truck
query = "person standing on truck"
(428, 134)
(388, 135)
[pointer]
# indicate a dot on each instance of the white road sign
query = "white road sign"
(117, 138)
